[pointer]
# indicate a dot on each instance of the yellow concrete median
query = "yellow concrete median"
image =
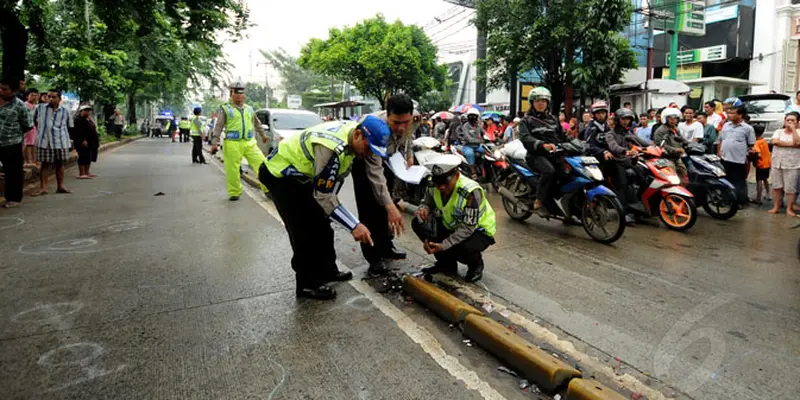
(548, 372)
(582, 389)
(446, 305)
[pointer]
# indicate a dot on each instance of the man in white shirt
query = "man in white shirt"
(690, 129)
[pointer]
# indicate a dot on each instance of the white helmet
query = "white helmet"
(474, 111)
(670, 112)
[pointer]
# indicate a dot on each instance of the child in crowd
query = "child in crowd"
(762, 164)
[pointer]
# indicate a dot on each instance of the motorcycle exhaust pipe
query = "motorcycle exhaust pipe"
(509, 195)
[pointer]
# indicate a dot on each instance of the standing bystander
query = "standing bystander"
(644, 132)
(734, 142)
(785, 164)
(119, 123)
(15, 120)
(86, 141)
(30, 136)
(52, 144)
(762, 164)
(690, 129)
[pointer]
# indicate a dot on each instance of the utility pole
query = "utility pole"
(266, 65)
(650, 52)
(673, 48)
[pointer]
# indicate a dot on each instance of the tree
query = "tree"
(435, 100)
(377, 58)
(567, 41)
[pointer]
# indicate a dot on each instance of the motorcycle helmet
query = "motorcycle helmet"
(623, 113)
(539, 92)
(733, 101)
(670, 112)
(599, 106)
(473, 115)
(197, 111)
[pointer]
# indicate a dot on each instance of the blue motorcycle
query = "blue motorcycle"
(582, 194)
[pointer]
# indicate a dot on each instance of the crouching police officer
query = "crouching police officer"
(303, 174)
(455, 222)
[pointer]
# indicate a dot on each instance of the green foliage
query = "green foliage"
(565, 39)
(435, 101)
(378, 58)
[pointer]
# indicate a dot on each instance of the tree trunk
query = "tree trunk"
(15, 42)
(132, 109)
(108, 112)
(512, 90)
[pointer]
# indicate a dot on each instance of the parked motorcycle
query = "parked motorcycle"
(658, 189)
(582, 194)
(707, 182)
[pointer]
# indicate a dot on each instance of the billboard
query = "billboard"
(689, 14)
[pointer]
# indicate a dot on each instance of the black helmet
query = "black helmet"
(625, 113)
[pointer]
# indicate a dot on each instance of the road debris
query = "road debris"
(506, 370)
(523, 384)
(488, 307)
(467, 342)
(159, 194)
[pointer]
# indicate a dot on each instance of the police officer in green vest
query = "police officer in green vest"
(455, 222)
(196, 132)
(303, 174)
(240, 123)
(183, 128)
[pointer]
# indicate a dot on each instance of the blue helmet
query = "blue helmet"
(197, 110)
(733, 101)
(377, 133)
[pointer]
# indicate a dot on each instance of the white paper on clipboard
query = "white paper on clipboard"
(411, 175)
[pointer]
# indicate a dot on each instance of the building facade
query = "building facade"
(775, 55)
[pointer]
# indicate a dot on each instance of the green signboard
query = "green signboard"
(690, 15)
(713, 53)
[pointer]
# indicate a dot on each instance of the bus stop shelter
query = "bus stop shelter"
(339, 110)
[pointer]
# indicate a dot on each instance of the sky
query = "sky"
(290, 24)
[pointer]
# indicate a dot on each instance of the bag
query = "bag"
(515, 149)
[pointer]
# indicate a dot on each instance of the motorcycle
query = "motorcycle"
(658, 190)
(425, 148)
(707, 182)
(489, 161)
(582, 193)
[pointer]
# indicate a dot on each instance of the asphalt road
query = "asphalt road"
(112, 292)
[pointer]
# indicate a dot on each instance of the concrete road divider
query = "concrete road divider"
(583, 389)
(531, 362)
(445, 304)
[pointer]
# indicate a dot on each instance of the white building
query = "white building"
(775, 45)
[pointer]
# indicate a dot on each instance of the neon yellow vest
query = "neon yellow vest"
(184, 124)
(453, 211)
(238, 123)
(295, 156)
(194, 130)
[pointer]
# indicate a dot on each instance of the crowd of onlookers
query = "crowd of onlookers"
(38, 131)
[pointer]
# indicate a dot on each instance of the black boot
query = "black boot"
(441, 268)
(474, 274)
(341, 277)
(394, 254)
(377, 269)
(321, 292)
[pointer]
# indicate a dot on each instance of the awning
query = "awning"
(665, 86)
(340, 104)
(725, 79)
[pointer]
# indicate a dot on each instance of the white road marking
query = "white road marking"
(418, 334)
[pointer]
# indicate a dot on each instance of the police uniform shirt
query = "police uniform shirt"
(220, 125)
(469, 223)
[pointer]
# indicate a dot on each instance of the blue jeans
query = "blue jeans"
(469, 151)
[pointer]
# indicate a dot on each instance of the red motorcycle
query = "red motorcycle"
(489, 161)
(658, 188)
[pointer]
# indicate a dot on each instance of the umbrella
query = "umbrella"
(444, 115)
(495, 115)
(465, 107)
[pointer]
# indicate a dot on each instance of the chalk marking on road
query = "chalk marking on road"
(12, 222)
(89, 243)
(418, 334)
(48, 312)
(626, 381)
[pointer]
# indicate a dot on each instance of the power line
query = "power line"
(447, 28)
(438, 19)
(443, 20)
(440, 38)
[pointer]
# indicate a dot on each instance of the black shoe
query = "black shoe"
(394, 254)
(341, 276)
(474, 275)
(377, 269)
(233, 198)
(322, 292)
(438, 268)
(571, 221)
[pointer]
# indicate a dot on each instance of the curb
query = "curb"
(548, 372)
(582, 389)
(248, 178)
(446, 305)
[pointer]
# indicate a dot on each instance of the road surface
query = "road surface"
(114, 292)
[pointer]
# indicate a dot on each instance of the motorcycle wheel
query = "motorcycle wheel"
(721, 203)
(515, 185)
(677, 212)
(603, 219)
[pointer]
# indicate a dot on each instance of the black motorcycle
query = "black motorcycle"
(708, 184)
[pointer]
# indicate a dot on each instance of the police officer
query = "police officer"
(239, 121)
(455, 222)
(196, 132)
(183, 128)
(303, 175)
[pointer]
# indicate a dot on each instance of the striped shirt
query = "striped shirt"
(53, 126)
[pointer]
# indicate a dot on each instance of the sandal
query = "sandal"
(63, 190)
(41, 193)
(10, 204)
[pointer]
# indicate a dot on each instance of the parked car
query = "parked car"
(282, 123)
(766, 110)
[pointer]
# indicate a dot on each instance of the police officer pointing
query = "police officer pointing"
(303, 175)
(239, 121)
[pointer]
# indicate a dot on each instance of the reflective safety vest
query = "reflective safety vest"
(183, 124)
(238, 123)
(194, 130)
(295, 156)
(453, 213)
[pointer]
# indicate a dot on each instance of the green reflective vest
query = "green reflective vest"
(295, 156)
(184, 124)
(194, 130)
(453, 211)
(238, 123)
